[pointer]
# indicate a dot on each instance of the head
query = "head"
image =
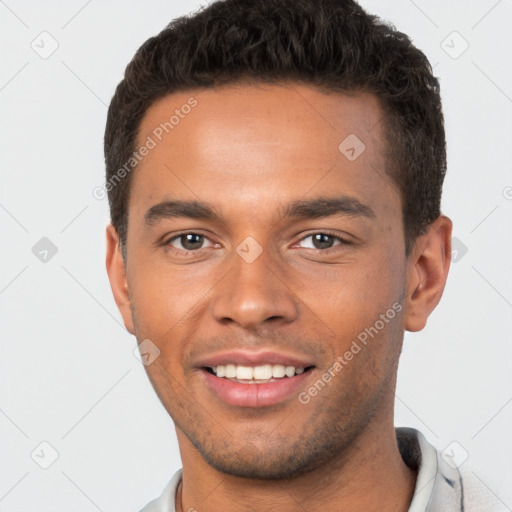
(274, 171)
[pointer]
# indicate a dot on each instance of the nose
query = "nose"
(253, 294)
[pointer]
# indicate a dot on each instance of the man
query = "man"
(274, 170)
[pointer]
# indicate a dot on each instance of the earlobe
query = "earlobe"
(427, 271)
(116, 271)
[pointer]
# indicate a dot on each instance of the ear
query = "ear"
(427, 271)
(116, 271)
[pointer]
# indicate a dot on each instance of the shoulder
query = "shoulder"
(166, 501)
(442, 484)
(477, 495)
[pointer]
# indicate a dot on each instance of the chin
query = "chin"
(261, 469)
(268, 463)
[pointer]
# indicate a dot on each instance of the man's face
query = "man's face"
(264, 284)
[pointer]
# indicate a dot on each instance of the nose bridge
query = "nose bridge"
(252, 292)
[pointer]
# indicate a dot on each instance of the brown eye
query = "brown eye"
(187, 241)
(323, 241)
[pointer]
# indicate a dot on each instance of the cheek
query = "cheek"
(350, 297)
(164, 301)
(349, 301)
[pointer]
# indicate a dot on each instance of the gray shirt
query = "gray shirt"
(441, 486)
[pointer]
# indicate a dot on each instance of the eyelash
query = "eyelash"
(343, 241)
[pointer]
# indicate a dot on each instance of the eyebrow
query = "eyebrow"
(328, 206)
(316, 208)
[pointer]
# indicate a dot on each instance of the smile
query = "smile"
(255, 386)
(255, 374)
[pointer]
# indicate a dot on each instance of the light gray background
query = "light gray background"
(68, 375)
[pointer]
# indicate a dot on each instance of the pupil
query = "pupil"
(322, 241)
(191, 241)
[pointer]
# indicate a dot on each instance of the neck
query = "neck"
(369, 475)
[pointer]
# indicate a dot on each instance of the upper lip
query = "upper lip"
(248, 358)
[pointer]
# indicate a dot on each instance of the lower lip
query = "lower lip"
(255, 395)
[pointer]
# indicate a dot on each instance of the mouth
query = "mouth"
(263, 385)
(260, 374)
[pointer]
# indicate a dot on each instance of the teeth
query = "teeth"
(262, 372)
(244, 372)
(278, 371)
(230, 371)
(290, 371)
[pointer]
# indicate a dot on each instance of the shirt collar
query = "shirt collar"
(438, 484)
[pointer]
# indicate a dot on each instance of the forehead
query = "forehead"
(265, 142)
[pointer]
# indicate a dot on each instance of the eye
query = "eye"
(322, 241)
(188, 241)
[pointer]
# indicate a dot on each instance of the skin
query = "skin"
(249, 151)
